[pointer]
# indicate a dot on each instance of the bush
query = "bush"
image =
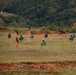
(71, 30)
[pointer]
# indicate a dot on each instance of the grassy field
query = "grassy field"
(58, 48)
(71, 72)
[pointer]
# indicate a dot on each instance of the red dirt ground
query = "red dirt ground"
(34, 32)
(45, 31)
(59, 32)
(29, 31)
(3, 30)
(24, 66)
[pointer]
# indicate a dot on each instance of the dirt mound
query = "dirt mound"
(45, 31)
(30, 31)
(4, 30)
(24, 66)
(59, 32)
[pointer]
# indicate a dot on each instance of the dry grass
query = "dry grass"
(58, 48)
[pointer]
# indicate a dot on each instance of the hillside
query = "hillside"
(11, 20)
(40, 12)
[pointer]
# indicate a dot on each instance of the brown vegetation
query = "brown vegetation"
(59, 32)
(30, 31)
(45, 31)
(23, 66)
(4, 30)
(35, 32)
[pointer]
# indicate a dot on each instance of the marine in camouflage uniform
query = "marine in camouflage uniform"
(43, 43)
(21, 38)
(71, 37)
(31, 35)
(46, 35)
(9, 35)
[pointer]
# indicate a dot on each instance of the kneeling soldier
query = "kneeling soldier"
(20, 37)
(46, 35)
(71, 38)
(43, 43)
(9, 35)
(31, 35)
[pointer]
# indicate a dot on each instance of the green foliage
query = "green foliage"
(40, 12)
(71, 30)
(11, 20)
(52, 28)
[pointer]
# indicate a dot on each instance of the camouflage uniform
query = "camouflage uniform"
(43, 43)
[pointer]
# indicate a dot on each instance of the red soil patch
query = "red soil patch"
(45, 31)
(24, 66)
(59, 32)
(4, 30)
(30, 31)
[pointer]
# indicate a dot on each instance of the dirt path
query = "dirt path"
(24, 66)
